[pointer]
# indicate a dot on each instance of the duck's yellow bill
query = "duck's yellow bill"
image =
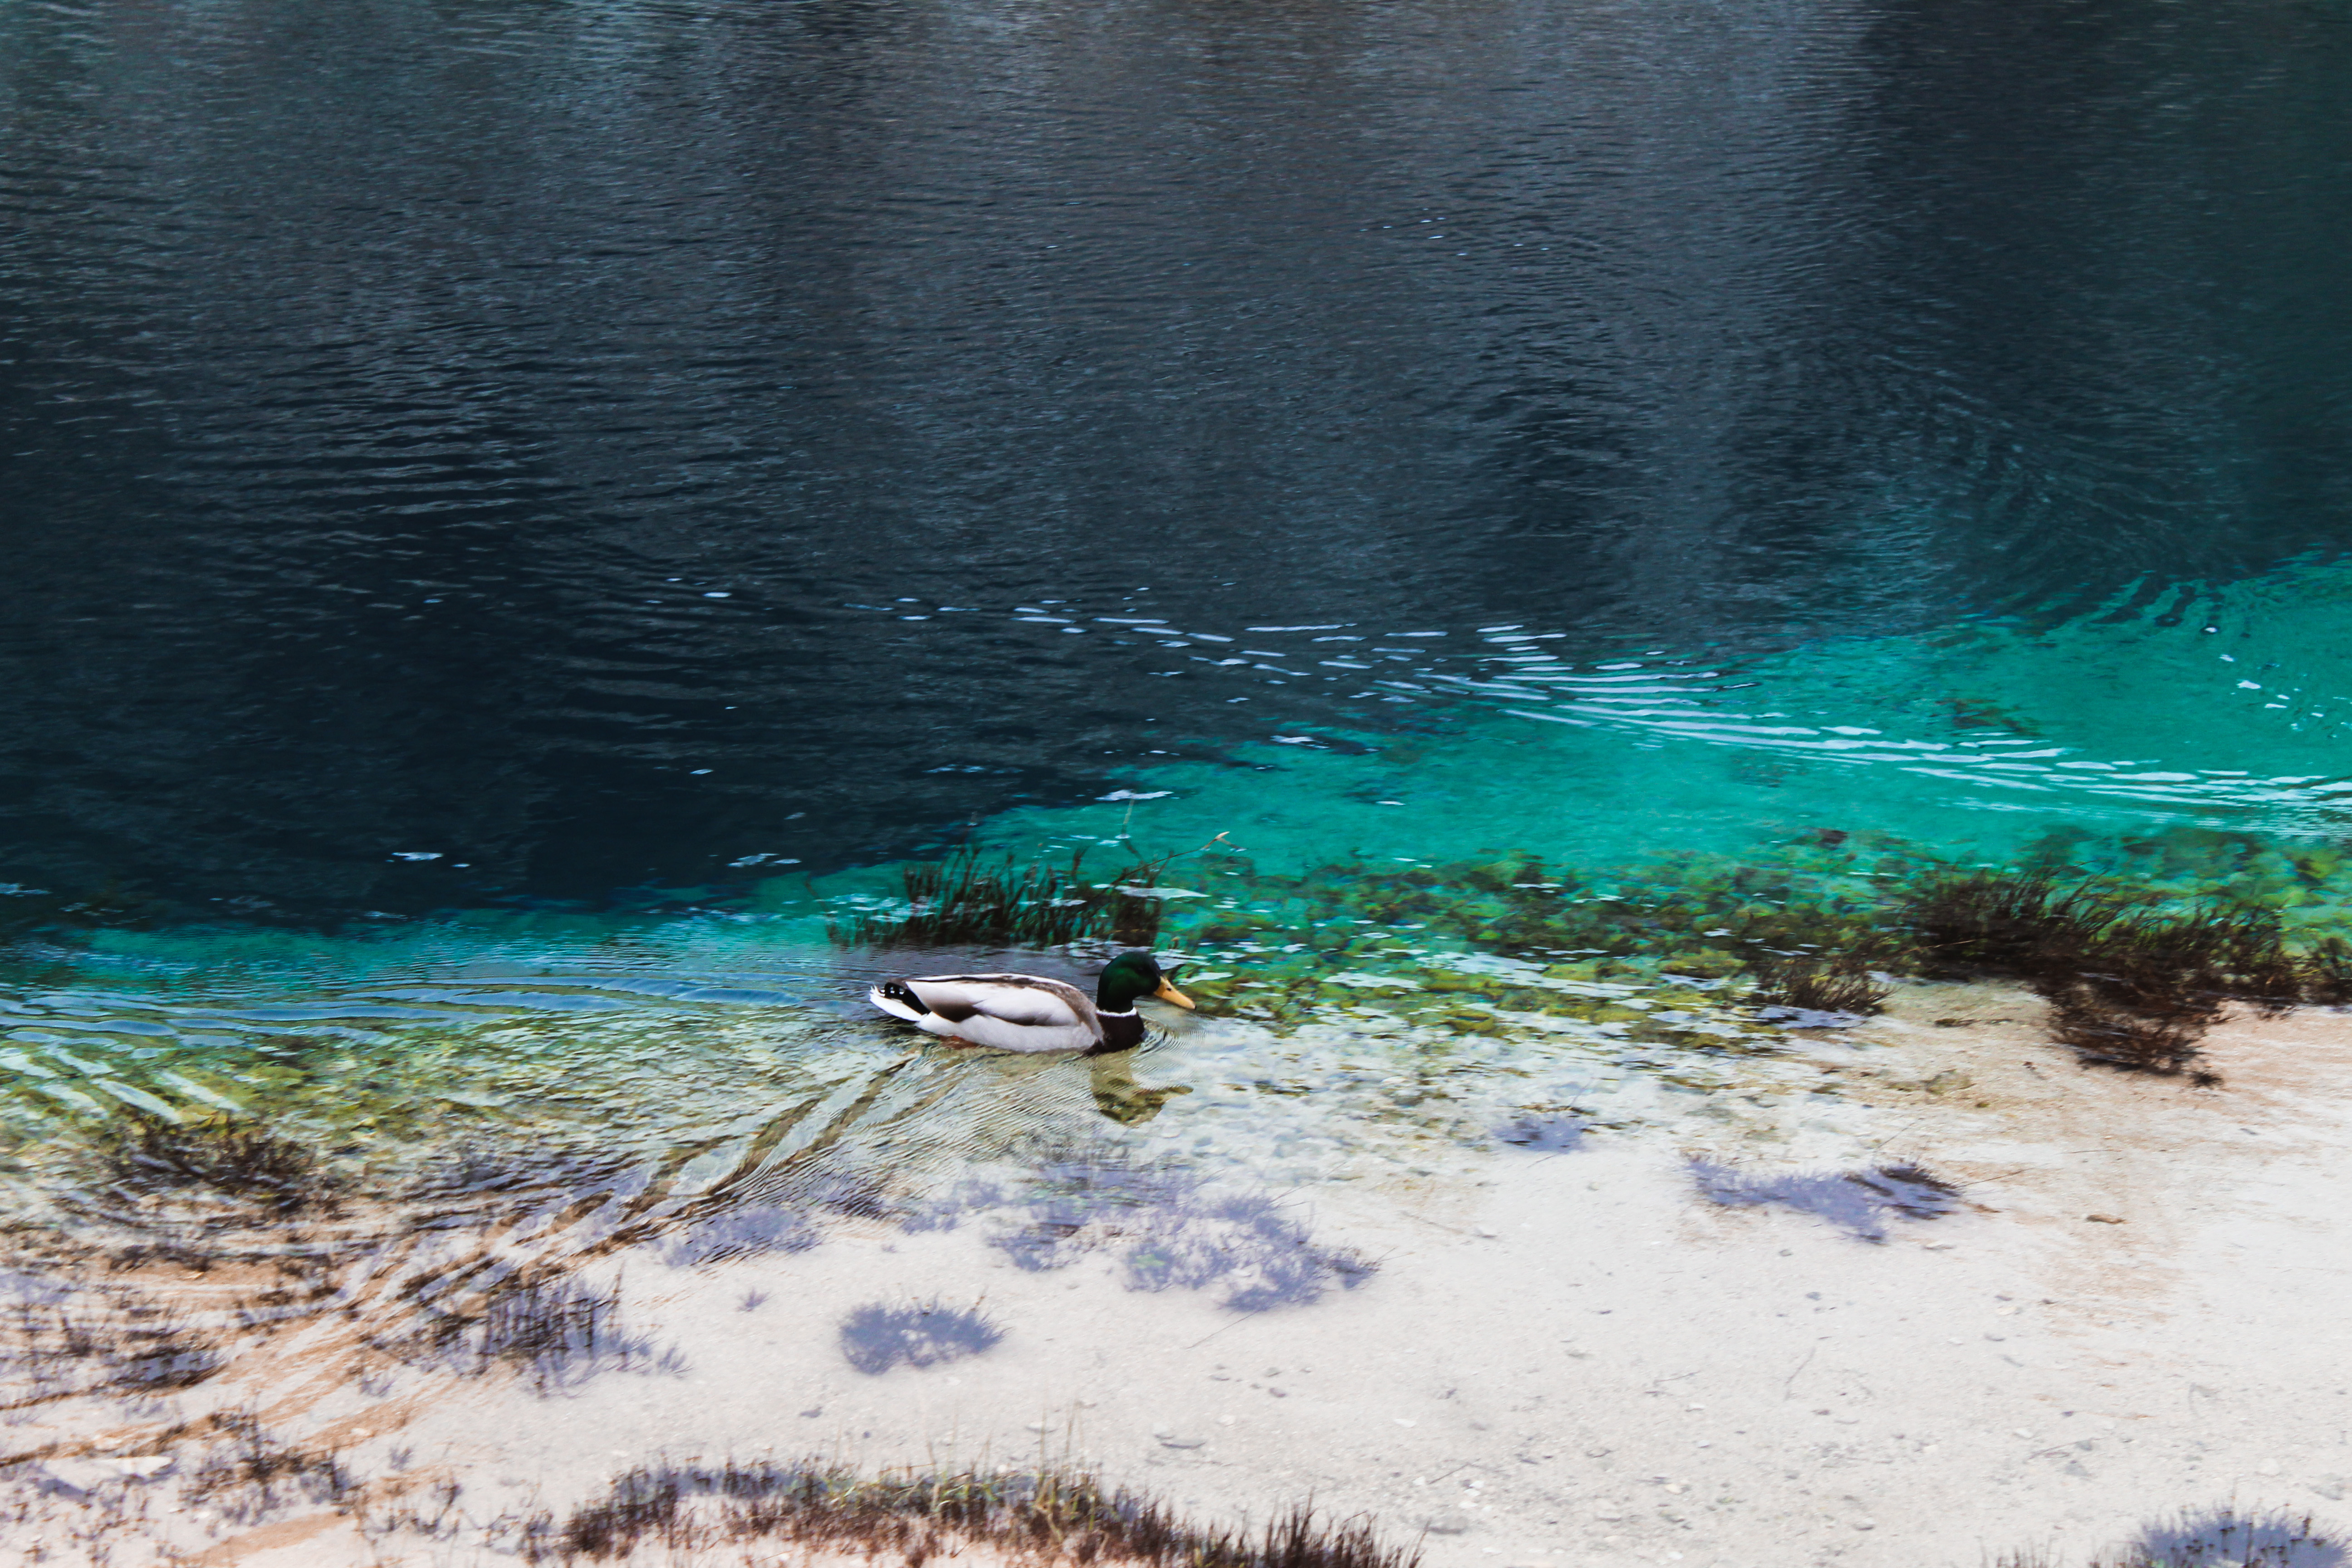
(1168, 993)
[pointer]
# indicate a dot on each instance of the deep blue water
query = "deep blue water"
(592, 443)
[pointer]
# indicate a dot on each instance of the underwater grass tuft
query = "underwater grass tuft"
(2128, 985)
(62, 1339)
(553, 1326)
(2134, 971)
(965, 901)
(141, 1152)
(2327, 972)
(1046, 1517)
(252, 1475)
(1841, 986)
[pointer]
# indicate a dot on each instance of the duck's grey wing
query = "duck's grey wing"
(1011, 1012)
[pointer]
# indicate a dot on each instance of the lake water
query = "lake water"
(519, 517)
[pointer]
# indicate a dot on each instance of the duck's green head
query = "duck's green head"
(1131, 975)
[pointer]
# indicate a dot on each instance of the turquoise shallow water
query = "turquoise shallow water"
(2182, 747)
(2219, 709)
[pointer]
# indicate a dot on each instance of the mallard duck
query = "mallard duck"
(1026, 1012)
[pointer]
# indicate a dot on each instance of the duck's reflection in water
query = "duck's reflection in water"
(1119, 1095)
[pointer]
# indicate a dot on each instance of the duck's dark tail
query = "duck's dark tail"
(896, 996)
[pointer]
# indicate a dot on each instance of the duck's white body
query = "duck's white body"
(1007, 1013)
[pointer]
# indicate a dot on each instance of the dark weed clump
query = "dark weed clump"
(472, 1177)
(2128, 985)
(1839, 990)
(59, 1341)
(875, 1337)
(143, 1154)
(563, 1330)
(158, 1350)
(966, 901)
(2216, 1538)
(198, 1480)
(1046, 1518)
(398, 1507)
(556, 1329)
(1706, 914)
(2327, 972)
(253, 1475)
(1856, 1202)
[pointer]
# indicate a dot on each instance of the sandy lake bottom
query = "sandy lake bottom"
(1556, 1350)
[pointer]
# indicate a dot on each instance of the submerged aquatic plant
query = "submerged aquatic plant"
(63, 1338)
(2128, 985)
(1854, 1201)
(967, 901)
(251, 1475)
(874, 1337)
(556, 1327)
(143, 1154)
(2138, 946)
(1043, 1516)
(1841, 988)
(2327, 971)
